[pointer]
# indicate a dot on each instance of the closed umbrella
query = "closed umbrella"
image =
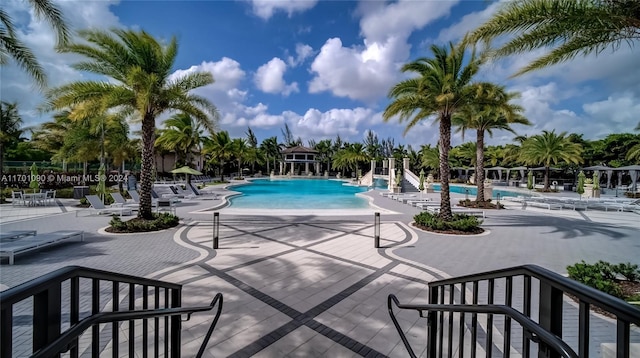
(580, 188)
(101, 188)
(530, 180)
(33, 184)
(421, 183)
(596, 180)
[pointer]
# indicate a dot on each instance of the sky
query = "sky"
(325, 67)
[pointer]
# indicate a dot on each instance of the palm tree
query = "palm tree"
(240, 152)
(10, 129)
(442, 87)
(141, 86)
(324, 149)
(182, 135)
(12, 47)
(220, 148)
(491, 110)
(550, 148)
(350, 157)
(572, 27)
(271, 148)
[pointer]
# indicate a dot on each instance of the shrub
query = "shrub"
(160, 222)
(629, 271)
(460, 222)
(603, 275)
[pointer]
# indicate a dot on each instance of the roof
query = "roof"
(298, 149)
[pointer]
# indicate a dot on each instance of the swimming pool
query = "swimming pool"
(298, 194)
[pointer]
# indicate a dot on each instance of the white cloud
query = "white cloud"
(266, 8)
(467, 23)
(303, 52)
(618, 113)
(269, 78)
(367, 72)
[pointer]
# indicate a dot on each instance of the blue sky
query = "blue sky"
(324, 67)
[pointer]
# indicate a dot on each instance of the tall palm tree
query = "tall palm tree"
(490, 110)
(240, 152)
(442, 87)
(220, 148)
(271, 148)
(141, 86)
(550, 148)
(571, 27)
(350, 157)
(182, 135)
(324, 149)
(10, 129)
(12, 47)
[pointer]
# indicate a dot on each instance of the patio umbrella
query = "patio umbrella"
(580, 188)
(186, 170)
(34, 178)
(101, 188)
(421, 183)
(530, 180)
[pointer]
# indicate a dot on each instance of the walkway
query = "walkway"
(314, 285)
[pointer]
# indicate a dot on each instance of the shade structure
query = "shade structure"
(101, 187)
(580, 187)
(633, 172)
(186, 170)
(33, 184)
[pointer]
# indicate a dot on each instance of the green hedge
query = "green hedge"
(160, 222)
(605, 276)
(460, 222)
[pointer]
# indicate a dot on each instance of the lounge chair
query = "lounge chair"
(119, 200)
(17, 234)
(427, 204)
(29, 243)
(165, 205)
(135, 196)
(201, 193)
(472, 212)
(542, 204)
(99, 208)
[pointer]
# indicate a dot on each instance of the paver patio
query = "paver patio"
(314, 285)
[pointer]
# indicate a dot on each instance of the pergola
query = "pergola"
(631, 169)
(299, 155)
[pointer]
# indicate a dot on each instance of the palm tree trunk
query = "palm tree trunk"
(445, 143)
(222, 171)
(146, 169)
(480, 165)
(546, 178)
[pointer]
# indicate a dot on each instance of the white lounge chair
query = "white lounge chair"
(29, 243)
(542, 204)
(99, 208)
(119, 200)
(472, 212)
(165, 205)
(17, 234)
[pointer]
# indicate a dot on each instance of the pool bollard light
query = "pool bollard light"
(376, 230)
(216, 229)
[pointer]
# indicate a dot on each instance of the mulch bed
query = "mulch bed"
(479, 205)
(450, 232)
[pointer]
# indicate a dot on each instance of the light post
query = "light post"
(376, 230)
(216, 229)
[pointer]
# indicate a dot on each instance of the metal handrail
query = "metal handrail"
(616, 306)
(65, 341)
(30, 288)
(539, 334)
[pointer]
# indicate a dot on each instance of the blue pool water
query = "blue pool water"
(298, 194)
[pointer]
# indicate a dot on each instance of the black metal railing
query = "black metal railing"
(506, 310)
(63, 304)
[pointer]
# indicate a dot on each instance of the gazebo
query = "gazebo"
(294, 157)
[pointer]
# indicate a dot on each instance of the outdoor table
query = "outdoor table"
(34, 198)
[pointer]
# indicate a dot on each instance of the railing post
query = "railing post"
(216, 229)
(432, 323)
(176, 323)
(6, 332)
(550, 315)
(46, 316)
(376, 230)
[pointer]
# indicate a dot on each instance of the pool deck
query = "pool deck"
(311, 284)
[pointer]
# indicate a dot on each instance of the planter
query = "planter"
(590, 192)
